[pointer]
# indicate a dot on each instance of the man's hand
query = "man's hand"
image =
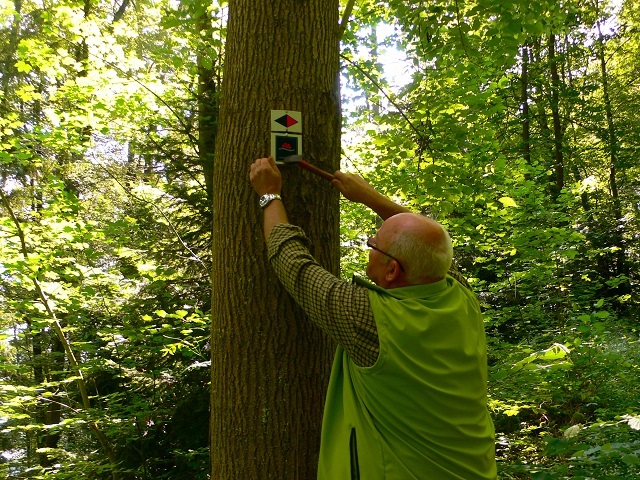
(357, 189)
(265, 176)
(353, 187)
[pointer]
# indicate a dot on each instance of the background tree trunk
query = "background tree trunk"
(524, 101)
(269, 366)
(8, 62)
(620, 266)
(208, 103)
(558, 131)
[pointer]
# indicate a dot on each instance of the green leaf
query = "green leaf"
(572, 431)
(508, 202)
(446, 207)
(177, 61)
(557, 351)
(631, 459)
(23, 67)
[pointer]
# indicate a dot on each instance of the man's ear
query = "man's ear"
(392, 271)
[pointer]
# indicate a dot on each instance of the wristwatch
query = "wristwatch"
(267, 197)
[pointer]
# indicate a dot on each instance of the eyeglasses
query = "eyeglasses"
(371, 244)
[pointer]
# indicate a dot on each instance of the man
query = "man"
(407, 395)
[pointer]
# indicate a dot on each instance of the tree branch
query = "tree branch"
(345, 18)
(118, 15)
(387, 96)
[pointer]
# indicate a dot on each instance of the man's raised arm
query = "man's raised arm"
(357, 189)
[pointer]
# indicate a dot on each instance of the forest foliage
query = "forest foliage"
(513, 123)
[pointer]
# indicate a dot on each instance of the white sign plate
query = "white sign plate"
(287, 121)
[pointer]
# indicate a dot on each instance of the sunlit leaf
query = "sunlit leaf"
(508, 202)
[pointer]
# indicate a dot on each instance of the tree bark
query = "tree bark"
(269, 366)
(208, 104)
(524, 102)
(8, 62)
(558, 133)
(617, 234)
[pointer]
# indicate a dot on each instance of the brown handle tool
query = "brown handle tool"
(297, 160)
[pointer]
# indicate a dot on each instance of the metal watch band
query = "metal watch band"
(267, 197)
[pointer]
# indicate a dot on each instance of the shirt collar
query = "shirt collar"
(413, 291)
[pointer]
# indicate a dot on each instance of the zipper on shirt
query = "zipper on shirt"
(353, 448)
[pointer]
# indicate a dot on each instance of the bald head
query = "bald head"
(422, 227)
(421, 243)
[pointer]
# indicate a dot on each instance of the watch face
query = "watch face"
(265, 199)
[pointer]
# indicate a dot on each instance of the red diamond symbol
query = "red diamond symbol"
(286, 121)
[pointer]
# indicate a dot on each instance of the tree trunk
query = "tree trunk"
(557, 124)
(270, 366)
(52, 410)
(617, 234)
(208, 104)
(574, 159)
(8, 62)
(524, 102)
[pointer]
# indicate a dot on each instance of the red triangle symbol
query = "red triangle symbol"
(286, 121)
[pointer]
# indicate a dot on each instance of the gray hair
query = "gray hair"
(422, 259)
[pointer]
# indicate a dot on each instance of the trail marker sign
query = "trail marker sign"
(286, 133)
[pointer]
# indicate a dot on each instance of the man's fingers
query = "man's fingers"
(337, 181)
(264, 163)
(265, 176)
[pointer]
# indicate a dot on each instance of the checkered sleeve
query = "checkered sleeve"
(338, 307)
(455, 273)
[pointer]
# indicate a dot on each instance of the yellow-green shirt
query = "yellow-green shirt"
(420, 412)
(407, 395)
